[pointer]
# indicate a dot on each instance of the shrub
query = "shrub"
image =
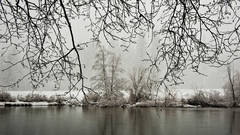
(212, 99)
(139, 97)
(33, 98)
(215, 98)
(52, 99)
(184, 101)
(143, 96)
(41, 98)
(6, 97)
(113, 100)
(198, 99)
(106, 100)
(170, 98)
(60, 99)
(91, 97)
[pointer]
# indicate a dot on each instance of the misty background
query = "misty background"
(215, 77)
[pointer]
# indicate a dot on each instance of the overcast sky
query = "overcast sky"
(216, 77)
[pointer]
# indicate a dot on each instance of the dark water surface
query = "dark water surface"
(118, 121)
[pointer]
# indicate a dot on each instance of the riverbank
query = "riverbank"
(138, 104)
(144, 104)
(76, 98)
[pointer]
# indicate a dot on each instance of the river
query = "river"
(118, 121)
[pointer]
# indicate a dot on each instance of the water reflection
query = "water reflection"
(234, 123)
(118, 121)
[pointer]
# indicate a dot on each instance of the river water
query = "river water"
(118, 121)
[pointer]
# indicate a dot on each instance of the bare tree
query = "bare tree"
(109, 76)
(116, 73)
(233, 85)
(237, 88)
(138, 84)
(190, 33)
(231, 81)
(100, 80)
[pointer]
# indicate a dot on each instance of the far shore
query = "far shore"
(136, 105)
(75, 98)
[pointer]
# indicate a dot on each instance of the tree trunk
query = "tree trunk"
(104, 73)
(132, 97)
(231, 80)
(112, 76)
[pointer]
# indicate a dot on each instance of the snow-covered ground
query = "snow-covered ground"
(187, 93)
(180, 93)
(73, 94)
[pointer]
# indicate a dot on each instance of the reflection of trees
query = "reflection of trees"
(234, 123)
(140, 121)
(98, 116)
(113, 122)
(106, 121)
(134, 121)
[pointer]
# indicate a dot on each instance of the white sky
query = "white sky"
(216, 77)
